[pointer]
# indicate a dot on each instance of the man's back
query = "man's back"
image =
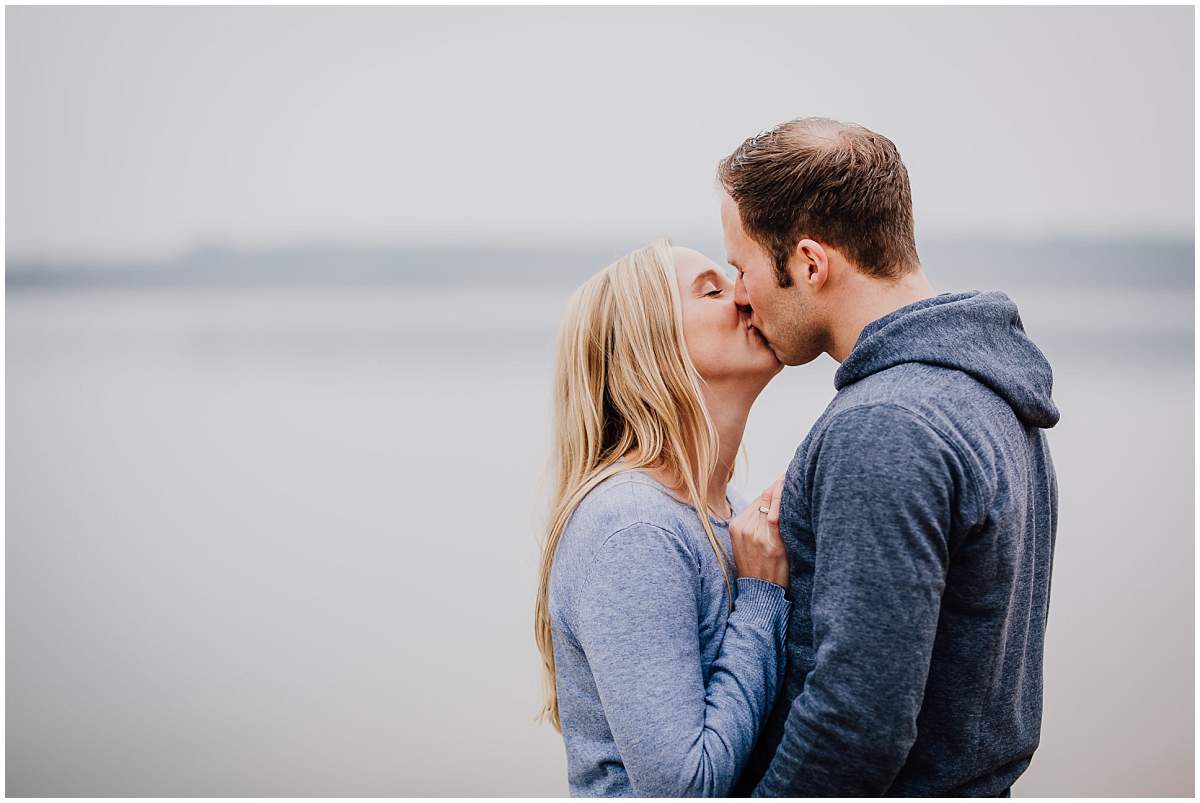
(919, 516)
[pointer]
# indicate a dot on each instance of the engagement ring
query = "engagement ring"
(764, 510)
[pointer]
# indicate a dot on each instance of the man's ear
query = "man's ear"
(810, 264)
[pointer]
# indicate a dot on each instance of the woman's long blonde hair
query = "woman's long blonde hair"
(626, 397)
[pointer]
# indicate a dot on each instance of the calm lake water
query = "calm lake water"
(284, 542)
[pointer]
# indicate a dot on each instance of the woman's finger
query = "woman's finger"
(735, 526)
(776, 500)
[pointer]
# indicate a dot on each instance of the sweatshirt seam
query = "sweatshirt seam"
(587, 576)
(920, 418)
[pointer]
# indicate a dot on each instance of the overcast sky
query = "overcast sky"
(140, 132)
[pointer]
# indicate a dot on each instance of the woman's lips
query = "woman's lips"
(753, 332)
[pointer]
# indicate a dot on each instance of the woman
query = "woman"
(660, 668)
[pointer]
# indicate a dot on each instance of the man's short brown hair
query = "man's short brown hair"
(836, 183)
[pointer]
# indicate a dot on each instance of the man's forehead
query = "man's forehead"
(730, 253)
(731, 222)
(731, 250)
(729, 211)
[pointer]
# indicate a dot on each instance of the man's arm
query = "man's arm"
(1053, 520)
(883, 488)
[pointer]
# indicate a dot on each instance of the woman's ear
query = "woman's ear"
(810, 264)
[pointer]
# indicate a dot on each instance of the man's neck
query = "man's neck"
(872, 299)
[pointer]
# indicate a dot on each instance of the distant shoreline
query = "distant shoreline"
(1148, 263)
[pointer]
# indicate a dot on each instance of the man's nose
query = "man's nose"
(740, 296)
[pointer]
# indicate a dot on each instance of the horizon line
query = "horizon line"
(446, 245)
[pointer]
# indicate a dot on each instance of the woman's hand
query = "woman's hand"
(758, 550)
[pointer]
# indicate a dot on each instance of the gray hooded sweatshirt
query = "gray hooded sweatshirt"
(919, 516)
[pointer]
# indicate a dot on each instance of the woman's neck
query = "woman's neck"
(729, 410)
(729, 413)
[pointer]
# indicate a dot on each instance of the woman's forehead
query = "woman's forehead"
(689, 263)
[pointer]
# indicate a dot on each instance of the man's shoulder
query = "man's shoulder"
(951, 403)
(866, 426)
(922, 419)
(918, 386)
(911, 405)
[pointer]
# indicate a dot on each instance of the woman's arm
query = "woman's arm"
(638, 623)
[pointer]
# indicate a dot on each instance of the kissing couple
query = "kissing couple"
(872, 623)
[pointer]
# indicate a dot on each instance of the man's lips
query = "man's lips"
(752, 330)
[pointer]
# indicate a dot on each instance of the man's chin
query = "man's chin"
(771, 348)
(792, 360)
(789, 360)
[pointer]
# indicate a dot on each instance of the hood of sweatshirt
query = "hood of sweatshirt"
(978, 333)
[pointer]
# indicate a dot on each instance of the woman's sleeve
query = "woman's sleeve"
(638, 624)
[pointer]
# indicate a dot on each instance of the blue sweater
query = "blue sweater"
(919, 516)
(661, 690)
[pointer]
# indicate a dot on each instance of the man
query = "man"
(919, 514)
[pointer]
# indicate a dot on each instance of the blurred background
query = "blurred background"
(282, 286)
